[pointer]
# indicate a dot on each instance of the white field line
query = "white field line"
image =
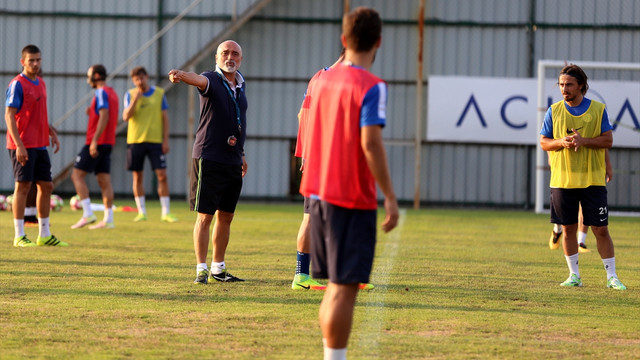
(370, 328)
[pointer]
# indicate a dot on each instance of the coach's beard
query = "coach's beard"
(229, 67)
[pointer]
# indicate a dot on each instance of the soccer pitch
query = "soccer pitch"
(450, 284)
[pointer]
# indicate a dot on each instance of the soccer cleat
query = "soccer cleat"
(582, 248)
(614, 283)
(366, 286)
(50, 240)
(572, 280)
(84, 221)
(169, 218)
(305, 282)
(102, 225)
(225, 276)
(31, 221)
(554, 240)
(22, 241)
(140, 217)
(202, 278)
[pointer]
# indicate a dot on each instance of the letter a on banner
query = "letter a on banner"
(472, 101)
(627, 107)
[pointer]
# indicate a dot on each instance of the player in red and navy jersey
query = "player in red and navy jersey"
(28, 133)
(302, 279)
(344, 159)
(95, 155)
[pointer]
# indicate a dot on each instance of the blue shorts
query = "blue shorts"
(101, 164)
(215, 186)
(343, 242)
(137, 152)
(565, 206)
(37, 168)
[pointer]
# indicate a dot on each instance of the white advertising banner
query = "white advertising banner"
(503, 110)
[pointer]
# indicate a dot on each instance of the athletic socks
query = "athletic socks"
(582, 236)
(86, 207)
(572, 263)
(140, 204)
(217, 267)
(335, 354)
(610, 267)
(164, 202)
(30, 211)
(557, 228)
(200, 267)
(43, 227)
(18, 227)
(302, 263)
(108, 215)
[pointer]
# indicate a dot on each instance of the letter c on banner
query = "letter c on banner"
(503, 110)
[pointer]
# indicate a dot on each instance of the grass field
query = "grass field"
(450, 284)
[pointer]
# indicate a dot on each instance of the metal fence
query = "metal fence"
(288, 40)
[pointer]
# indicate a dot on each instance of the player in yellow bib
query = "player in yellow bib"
(576, 131)
(145, 110)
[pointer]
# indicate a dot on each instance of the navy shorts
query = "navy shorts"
(307, 205)
(215, 186)
(101, 164)
(343, 242)
(565, 206)
(37, 168)
(137, 152)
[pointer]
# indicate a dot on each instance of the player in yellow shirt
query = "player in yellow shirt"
(576, 133)
(145, 109)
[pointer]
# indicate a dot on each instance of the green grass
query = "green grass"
(450, 284)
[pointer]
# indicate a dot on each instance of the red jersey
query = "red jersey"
(336, 170)
(105, 98)
(32, 119)
(303, 114)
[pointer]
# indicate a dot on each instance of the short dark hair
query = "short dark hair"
(576, 71)
(362, 28)
(30, 49)
(138, 71)
(99, 70)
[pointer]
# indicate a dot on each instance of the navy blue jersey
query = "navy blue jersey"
(221, 111)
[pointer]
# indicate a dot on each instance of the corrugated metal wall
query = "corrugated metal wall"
(75, 34)
(289, 40)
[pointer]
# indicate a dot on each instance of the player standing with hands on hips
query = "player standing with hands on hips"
(344, 159)
(218, 156)
(576, 131)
